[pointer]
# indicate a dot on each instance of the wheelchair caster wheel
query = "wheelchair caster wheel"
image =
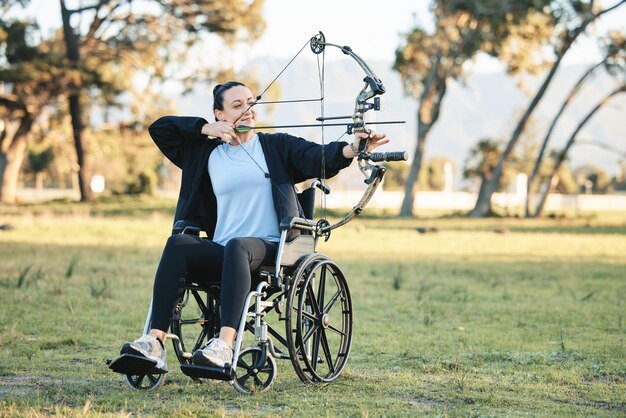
(255, 371)
(146, 381)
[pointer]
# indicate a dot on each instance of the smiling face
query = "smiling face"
(236, 101)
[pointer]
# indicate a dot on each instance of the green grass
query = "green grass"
(475, 317)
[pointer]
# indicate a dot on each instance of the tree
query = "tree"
(120, 32)
(594, 179)
(31, 77)
(553, 179)
(102, 46)
(482, 161)
(614, 61)
(573, 17)
(428, 61)
(38, 161)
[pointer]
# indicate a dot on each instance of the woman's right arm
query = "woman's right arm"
(169, 133)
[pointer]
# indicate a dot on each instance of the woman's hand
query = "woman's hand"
(375, 141)
(221, 129)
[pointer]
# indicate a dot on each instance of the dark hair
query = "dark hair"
(218, 93)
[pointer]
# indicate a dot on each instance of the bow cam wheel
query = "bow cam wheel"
(255, 371)
(318, 43)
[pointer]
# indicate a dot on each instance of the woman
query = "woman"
(236, 186)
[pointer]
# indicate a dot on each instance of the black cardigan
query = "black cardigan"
(290, 160)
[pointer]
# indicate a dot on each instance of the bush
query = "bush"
(144, 183)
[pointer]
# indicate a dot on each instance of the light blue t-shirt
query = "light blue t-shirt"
(245, 207)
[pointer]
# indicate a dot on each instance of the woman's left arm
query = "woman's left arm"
(305, 157)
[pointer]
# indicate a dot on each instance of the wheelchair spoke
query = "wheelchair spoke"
(338, 331)
(316, 348)
(320, 289)
(153, 378)
(309, 316)
(312, 299)
(242, 363)
(310, 332)
(332, 301)
(243, 379)
(327, 354)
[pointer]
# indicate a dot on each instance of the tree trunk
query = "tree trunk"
(73, 54)
(551, 184)
(427, 114)
(416, 165)
(81, 149)
(11, 160)
(570, 142)
(483, 203)
(544, 144)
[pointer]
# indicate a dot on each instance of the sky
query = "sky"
(372, 28)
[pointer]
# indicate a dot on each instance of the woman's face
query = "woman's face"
(237, 100)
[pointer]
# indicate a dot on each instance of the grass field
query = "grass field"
(474, 317)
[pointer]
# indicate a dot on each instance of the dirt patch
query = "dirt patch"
(428, 403)
(19, 386)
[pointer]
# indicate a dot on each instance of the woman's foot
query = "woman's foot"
(147, 346)
(216, 353)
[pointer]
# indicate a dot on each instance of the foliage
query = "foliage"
(127, 158)
(431, 176)
(597, 177)
(482, 161)
(118, 42)
(619, 181)
(38, 161)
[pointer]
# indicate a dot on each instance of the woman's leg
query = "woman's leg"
(183, 256)
(242, 257)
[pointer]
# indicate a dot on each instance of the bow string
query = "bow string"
(367, 99)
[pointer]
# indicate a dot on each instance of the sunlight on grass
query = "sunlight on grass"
(488, 317)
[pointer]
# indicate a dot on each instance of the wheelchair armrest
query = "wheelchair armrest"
(185, 227)
(296, 222)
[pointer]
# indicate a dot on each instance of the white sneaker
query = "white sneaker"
(215, 353)
(147, 346)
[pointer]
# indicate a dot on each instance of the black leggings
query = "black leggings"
(188, 258)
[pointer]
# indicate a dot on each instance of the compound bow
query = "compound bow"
(367, 99)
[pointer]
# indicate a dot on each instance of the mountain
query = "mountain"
(484, 105)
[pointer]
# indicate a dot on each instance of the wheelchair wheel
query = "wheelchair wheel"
(255, 371)
(146, 381)
(319, 320)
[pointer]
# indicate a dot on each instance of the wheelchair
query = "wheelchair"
(305, 293)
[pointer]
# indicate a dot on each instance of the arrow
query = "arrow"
(246, 128)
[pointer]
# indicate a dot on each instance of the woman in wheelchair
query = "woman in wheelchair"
(237, 185)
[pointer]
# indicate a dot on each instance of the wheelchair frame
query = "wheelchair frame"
(296, 289)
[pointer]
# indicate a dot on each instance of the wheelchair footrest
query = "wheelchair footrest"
(134, 365)
(206, 372)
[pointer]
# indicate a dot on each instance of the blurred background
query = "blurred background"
(510, 106)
